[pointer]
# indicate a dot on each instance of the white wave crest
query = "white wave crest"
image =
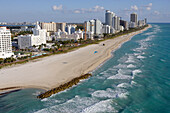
(140, 57)
(123, 85)
(123, 95)
(131, 66)
(74, 105)
(102, 106)
(135, 72)
(120, 77)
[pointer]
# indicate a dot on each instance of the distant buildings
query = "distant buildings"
(5, 43)
(50, 27)
(116, 23)
(70, 29)
(108, 18)
(124, 24)
(93, 27)
(133, 20)
(38, 38)
(61, 26)
(60, 35)
(26, 28)
(53, 27)
(106, 29)
(113, 21)
(98, 27)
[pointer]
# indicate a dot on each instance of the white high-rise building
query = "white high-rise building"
(116, 23)
(98, 27)
(87, 26)
(94, 26)
(5, 43)
(38, 38)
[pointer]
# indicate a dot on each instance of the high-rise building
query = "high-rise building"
(108, 17)
(38, 38)
(5, 43)
(141, 23)
(124, 24)
(145, 21)
(53, 27)
(98, 26)
(134, 18)
(87, 26)
(61, 26)
(93, 26)
(50, 27)
(116, 23)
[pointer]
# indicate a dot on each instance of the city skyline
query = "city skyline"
(74, 11)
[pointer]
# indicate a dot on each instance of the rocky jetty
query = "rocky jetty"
(63, 87)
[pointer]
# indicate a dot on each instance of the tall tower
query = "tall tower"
(134, 18)
(108, 17)
(5, 43)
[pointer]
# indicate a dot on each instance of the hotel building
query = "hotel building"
(38, 38)
(5, 43)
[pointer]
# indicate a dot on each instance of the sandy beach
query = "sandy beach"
(50, 72)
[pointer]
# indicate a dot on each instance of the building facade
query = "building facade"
(98, 26)
(5, 43)
(38, 38)
(134, 18)
(50, 27)
(61, 26)
(93, 26)
(108, 18)
(124, 24)
(53, 27)
(116, 23)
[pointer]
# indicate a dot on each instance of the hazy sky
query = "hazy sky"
(81, 10)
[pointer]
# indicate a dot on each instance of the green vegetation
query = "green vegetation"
(68, 46)
(25, 32)
(79, 26)
(7, 60)
(20, 33)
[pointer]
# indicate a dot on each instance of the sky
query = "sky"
(78, 11)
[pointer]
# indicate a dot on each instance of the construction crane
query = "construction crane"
(85, 37)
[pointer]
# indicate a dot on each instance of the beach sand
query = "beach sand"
(50, 72)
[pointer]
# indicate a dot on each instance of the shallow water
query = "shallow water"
(136, 79)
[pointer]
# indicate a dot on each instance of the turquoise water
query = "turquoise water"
(135, 80)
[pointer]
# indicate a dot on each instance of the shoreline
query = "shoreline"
(112, 50)
(99, 61)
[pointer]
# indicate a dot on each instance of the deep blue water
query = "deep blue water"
(135, 80)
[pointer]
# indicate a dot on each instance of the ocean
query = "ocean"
(135, 80)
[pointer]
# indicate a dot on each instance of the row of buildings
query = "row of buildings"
(113, 24)
(43, 32)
